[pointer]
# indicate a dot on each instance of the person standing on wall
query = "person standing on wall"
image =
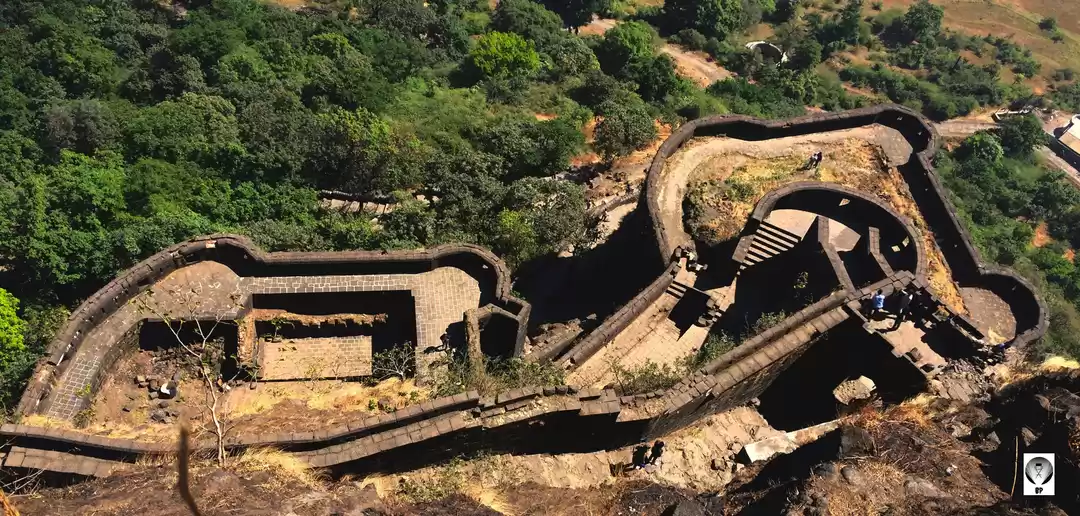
(657, 451)
(902, 306)
(877, 303)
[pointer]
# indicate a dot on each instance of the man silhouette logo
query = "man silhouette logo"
(1038, 474)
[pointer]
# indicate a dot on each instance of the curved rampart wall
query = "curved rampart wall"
(925, 186)
(247, 259)
(824, 199)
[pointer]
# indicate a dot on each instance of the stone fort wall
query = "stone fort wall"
(242, 255)
(533, 420)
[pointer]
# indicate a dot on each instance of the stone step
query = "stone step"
(779, 233)
(761, 254)
(762, 241)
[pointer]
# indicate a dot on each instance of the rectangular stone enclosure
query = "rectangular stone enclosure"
(315, 358)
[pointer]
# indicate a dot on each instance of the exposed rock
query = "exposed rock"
(158, 416)
(219, 481)
(827, 470)
(718, 464)
(140, 379)
(1028, 436)
(858, 389)
(959, 430)
(855, 442)
(154, 384)
(821, 500)
(386, 405)
(126, 408)
(154, 395)
(990, 442)
(362, 503)
(686, 508)
(852, 475)
(163, 403)
(922, 487)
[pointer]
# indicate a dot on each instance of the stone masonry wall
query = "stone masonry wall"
(117, 293)
(954, 240)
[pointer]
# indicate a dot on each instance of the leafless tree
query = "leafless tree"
(193, 309)
(397, 361)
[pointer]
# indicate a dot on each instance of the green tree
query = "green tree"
(718, 18)
(12, 327)
(576, 13)
(624, 128)
(625, 42)
(502, 55)
(528, 19)
(805, 55)
(540, 217)
(922, 22)
(1020, 135)
(982, 146)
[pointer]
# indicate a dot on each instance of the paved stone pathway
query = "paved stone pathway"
(652, 337)
(906, 338)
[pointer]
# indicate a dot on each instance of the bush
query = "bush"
(495, 375)
(1063, 74)
(877, 5)
(647, 377)
(716, 344)
(692, 39)
(1048, 23)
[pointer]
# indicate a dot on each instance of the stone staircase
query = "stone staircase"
(712, 311)
(769, 241)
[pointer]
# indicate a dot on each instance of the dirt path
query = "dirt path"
(695, 66)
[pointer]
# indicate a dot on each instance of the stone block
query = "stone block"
(86, 467)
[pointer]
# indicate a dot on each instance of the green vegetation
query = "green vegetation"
(1001, 200)
(646, 377)
(494, 375)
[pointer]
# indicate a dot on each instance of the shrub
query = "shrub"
(1048, 23)
(646, 377)
(716, 344)
(877, 5)
(692, 39)
(1063, 74)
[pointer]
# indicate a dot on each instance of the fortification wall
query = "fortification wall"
(531, 419)
(242, 255)
(953, 239)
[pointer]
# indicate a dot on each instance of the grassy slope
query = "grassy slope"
(1017, 19)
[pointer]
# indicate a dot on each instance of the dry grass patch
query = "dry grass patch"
(284, 468)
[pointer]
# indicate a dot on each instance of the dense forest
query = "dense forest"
(129, 125)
